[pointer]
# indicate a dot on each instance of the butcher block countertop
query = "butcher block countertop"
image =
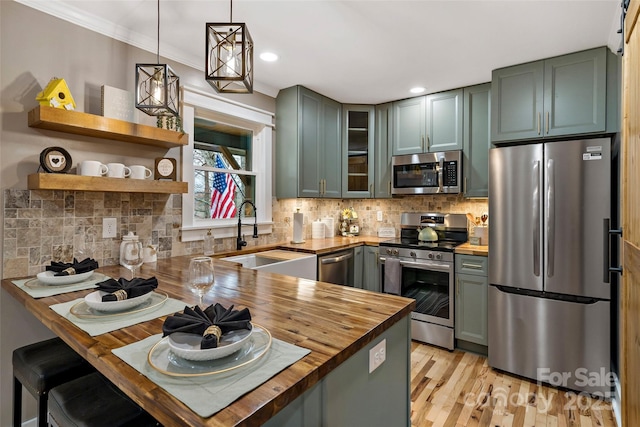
(469, 249)
(332, 321)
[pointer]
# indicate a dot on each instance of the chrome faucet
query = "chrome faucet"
(240, 242)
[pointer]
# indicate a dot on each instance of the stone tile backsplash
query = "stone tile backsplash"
(41, 226)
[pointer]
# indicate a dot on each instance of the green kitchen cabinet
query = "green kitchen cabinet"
(477, 140)
(358, 266)
(358, 148)
(409, 126)
(371, 275)
(471, 306)
(308, 146)
(560, 96)
(444, 121)
(382, 154)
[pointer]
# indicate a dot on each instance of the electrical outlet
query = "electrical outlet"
(109, 226)
(379, 215)
(377, 355)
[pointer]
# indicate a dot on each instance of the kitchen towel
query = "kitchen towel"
(112, 323)
(298, 219)
(209, 394)
(36, 289)
(392, 276)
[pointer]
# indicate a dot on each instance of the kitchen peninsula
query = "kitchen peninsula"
(332, 385)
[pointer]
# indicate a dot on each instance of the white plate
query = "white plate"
(48, 278)
(187, 345)
(94, 300)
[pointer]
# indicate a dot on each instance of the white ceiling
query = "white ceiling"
(361, 51)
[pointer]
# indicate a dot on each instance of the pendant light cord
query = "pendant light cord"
(158, 51)
(230, 11)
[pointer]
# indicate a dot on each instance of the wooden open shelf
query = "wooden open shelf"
(43, 117)
(61, 181)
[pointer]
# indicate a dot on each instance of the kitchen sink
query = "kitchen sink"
(252, 260)
(290, 263)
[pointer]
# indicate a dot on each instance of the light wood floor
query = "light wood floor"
(459, 389)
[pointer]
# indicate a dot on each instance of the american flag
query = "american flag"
(223, 193)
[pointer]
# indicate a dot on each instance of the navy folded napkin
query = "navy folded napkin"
(122, 288)
(70, 268)
(211, 323)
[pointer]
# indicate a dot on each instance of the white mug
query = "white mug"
(140, 172)
(118, 170)
(92, 168)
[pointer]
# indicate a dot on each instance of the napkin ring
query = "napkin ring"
(120, 295)
(70, 271)
(213, 330)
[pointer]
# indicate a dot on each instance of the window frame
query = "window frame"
(260, 122)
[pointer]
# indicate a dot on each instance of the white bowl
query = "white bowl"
(48, 278)
(94, 300)
(187, 345)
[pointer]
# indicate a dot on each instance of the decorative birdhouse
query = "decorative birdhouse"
(57, 95)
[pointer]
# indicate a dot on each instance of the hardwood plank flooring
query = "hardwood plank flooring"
(459, 389)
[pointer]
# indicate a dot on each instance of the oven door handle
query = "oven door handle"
(423, 265)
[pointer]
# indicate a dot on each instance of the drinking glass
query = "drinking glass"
(200, 276)
(132, 256)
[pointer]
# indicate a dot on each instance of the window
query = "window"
(228, 160)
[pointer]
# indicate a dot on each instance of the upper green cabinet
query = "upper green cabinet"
(358, 151)
(477, 140)
(308, 149)
(382, 156)
(444, 121)
(428, 123)
(409, 126)
(565, 95)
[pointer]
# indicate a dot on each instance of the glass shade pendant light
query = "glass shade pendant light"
(229, 56)
(157, 86)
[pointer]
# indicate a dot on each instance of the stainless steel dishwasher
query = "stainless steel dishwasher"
(336, 267)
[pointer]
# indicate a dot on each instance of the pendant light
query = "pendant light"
(229, 56)
(157, 86)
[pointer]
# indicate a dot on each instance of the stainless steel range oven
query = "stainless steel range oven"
(425, 272)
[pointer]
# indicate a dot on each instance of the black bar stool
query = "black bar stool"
(93, 401)
(41, 366)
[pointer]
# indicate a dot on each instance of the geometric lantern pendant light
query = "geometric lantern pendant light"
(229, 57)
(157, 86)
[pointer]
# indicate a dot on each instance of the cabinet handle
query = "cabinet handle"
(538, 123)
(422, 144)
(370, 188)
(457, 286)
(464, 190)
(547, 124)
(389, 187)
(324, 187)
(472, 266)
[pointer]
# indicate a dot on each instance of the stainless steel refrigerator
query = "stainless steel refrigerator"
(549, 293)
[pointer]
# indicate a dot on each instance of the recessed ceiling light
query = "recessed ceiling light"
(268, 56)
(418, 89)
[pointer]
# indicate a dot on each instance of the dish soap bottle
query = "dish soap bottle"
(208, 244)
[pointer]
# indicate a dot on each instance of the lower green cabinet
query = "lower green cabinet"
(471, 312)
(370, 276)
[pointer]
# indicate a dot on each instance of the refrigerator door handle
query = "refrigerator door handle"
(551, 218)
(536, 217)
(607, 269)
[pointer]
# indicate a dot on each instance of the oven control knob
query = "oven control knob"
(430, 256)
(438, 256)
(412, 254)
(388, 251)
(396, 252)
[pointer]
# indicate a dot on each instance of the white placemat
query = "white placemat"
(209, 394)
(40, 290)
(111, 323)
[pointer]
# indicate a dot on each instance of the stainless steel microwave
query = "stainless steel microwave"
(427, 173)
